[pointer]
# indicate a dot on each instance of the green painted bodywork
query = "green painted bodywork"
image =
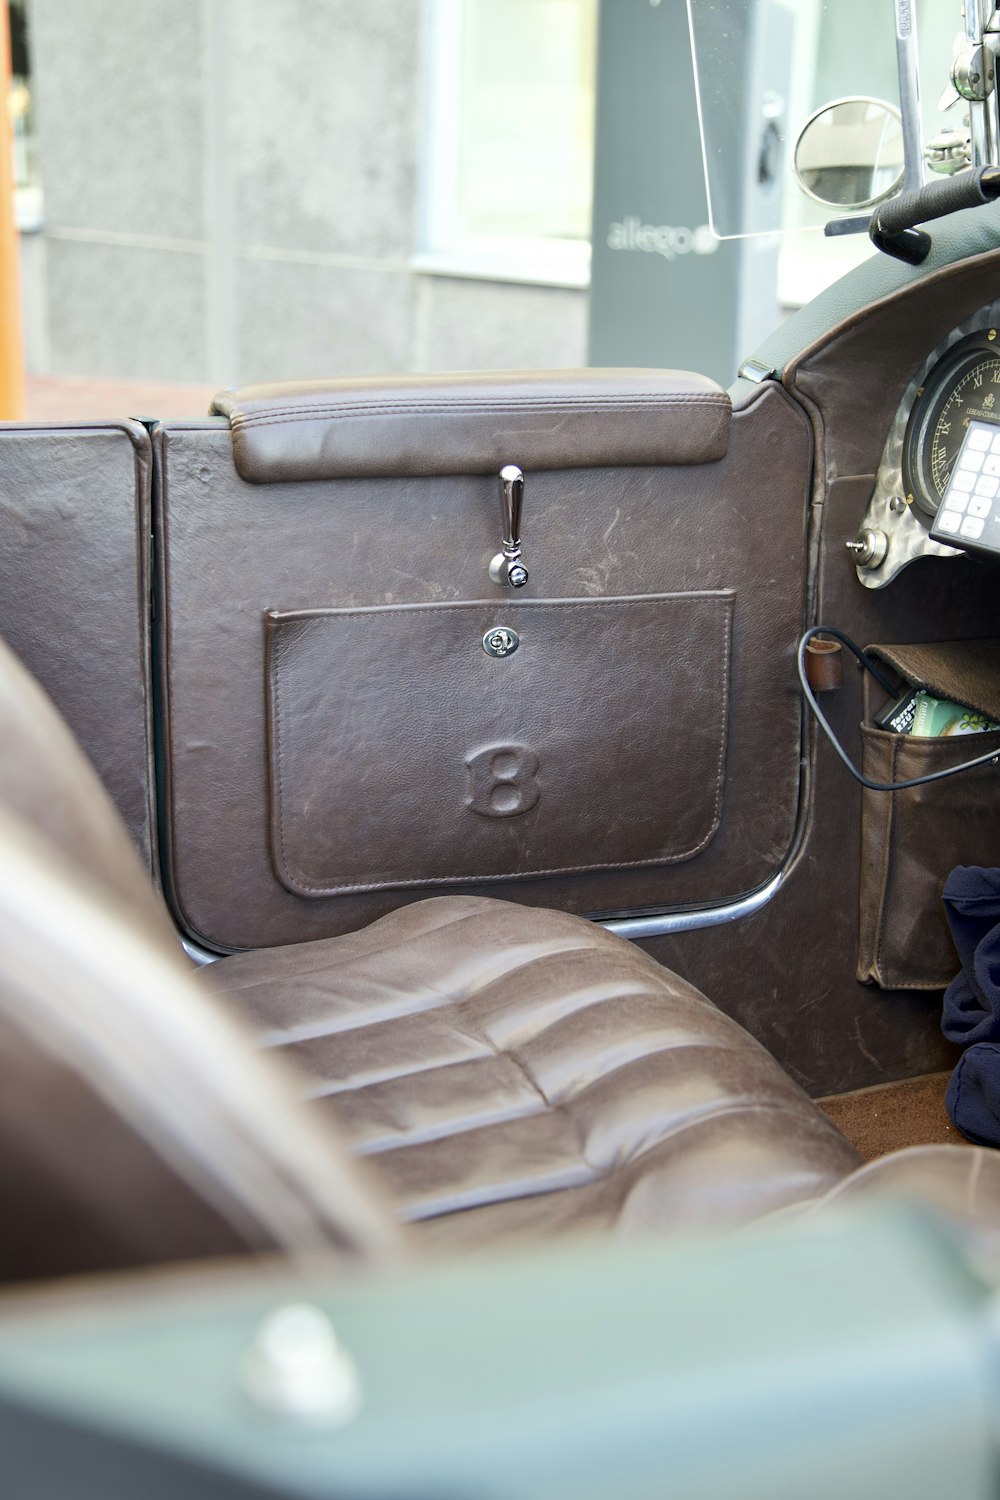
(848, 1358)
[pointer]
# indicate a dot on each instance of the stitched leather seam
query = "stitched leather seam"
(719, 1109)
(542, 1104)
(335, 1088)
(301, 886)
(473, 405)
(320, 1031)
(711, 1044)
(382, 1146)
(695, 1008)
(600, 1174)
(553, 949)
(360, 1021)
(885, 832)
(304, 887)
(444, 1203)
(322, 965)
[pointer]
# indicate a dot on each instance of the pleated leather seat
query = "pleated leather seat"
(496, 1070)
(508, 1069)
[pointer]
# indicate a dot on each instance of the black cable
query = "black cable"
(822, 721)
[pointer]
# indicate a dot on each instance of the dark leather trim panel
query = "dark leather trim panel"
(852, 390)
(507, 1072)
(474, 424)
(909, 842)
(850, 379)
(74, 591)
(233, 552)
(410, 690)
(967, 236)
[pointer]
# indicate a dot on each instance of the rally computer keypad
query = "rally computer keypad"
(969, 513)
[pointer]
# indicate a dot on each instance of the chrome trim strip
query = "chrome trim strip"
(198, 955)
(626, 927)
(689, 921)
(756, 370)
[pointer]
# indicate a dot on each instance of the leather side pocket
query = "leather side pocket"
(403, 754)
(910, 840)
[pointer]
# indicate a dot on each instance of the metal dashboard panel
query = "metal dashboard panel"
(906, 530)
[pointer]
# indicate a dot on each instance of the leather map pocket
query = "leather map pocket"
(911, 839)
(403, 753)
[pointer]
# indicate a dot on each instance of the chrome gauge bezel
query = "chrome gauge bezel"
(943, 380)
(905, 525)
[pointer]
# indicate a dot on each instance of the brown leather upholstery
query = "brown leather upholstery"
(137, 1123)
(46, 780)
(454, 769)
(501, 1070)
(718, 729)
(74, 591)
(845, 379)
(473, 424)
(515, 1070)
(958, 1184)
(498, 1053)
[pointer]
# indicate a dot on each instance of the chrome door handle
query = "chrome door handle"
(507, 569)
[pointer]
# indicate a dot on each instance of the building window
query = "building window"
(509, 139)
(27, 187)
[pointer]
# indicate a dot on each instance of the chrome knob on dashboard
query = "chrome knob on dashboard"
(507, 569)
(869, 548)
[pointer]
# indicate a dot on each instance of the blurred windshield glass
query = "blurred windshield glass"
(764, 67)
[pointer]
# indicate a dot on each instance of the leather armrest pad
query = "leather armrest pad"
(474, 424)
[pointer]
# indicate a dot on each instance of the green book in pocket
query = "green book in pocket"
(936, 717)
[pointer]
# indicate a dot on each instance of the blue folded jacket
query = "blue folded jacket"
(971, 1014)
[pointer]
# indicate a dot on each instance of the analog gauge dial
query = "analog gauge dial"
(963, 386)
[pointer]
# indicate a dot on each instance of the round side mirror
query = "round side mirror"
(849, 154)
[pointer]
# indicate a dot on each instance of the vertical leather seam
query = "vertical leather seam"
(886, 859)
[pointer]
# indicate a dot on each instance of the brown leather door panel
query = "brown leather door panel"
(403, 754)
(74, 591)
(336, 739)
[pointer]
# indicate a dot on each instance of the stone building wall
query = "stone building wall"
(232, 194)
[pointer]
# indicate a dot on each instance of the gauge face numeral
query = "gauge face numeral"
(953, 395)
(940, 468)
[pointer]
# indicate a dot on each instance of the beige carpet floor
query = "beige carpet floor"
(894, 1115)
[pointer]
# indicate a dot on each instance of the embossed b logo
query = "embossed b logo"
(502, 781)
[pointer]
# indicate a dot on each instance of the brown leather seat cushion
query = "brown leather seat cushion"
(501, 1069)
(507, 1069)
